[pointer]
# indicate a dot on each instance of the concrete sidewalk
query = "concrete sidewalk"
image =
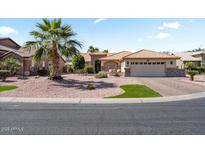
(101, 100)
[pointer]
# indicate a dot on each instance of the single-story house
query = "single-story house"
(10, 49)
(140, 63)
(197, 58)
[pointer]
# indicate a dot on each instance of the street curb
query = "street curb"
(101, 100)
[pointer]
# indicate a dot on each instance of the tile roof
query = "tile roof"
(148, 54)
(116, 56)
(187, 56)
(87, 55)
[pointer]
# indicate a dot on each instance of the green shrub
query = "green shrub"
(90, 86)
(42, 72)
(199, 69)
(78, 62)
(89, 69)
(101, 74)
(10, 64)
(70, 69)
(192, 74)
(4, 74)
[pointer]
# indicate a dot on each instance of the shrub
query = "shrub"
(89, 69)
(192, 74)
(4, 74)
(189, 65)
(10, 64)
(78, 62)
(117, 74)
(90, 86)
(101, 74)
(70, 69)
(42, 72)
(199, 69)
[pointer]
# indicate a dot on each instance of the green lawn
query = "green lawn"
(5, 88)
(136, 91)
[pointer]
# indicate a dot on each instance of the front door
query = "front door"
(97, 66)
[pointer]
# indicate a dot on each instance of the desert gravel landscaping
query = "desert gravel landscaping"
(74, 86)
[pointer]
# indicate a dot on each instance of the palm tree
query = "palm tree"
(52, 40)
(93, 49)
(105, 51)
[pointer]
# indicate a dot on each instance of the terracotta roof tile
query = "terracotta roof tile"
(148, 54)
(116, 56)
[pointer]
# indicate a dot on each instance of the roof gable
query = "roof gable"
(149, 54)
(8, 42)
(116, 56)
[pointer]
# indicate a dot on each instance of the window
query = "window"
(145, 63)
(171, 62)
(158, 63)
(154, 63)
(136, 63)
(149, 63)
(141, 63)
(162, 63)
(132, 63)
(127, 62)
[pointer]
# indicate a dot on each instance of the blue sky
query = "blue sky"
(121, 34)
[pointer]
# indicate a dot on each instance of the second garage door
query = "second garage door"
(147, 69)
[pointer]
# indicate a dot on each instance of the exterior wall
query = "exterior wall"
(181, 64)
(107, 65)
(123, 66)
(203, 60)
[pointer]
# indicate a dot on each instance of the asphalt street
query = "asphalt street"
(182, 117)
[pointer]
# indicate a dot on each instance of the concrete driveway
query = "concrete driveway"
(171, 86)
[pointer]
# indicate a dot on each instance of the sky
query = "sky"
(118, 34)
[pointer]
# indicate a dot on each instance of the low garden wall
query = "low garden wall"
(175, 72)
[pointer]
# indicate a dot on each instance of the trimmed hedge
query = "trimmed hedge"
(89, 69)
(101, 74)
(4, 74)
(199, 69)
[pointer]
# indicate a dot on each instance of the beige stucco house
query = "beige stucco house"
(140, 63)
(197, 58)
(9, 48)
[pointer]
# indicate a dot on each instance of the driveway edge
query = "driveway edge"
(101, 100)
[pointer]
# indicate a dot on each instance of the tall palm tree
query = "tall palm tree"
(93, 49)
(52, 40)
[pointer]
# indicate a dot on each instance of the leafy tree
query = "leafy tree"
(52, 40)
(78, 62)
(106, 51)
(10, 64)
(192, 74)
(189, 65)
(93, 49)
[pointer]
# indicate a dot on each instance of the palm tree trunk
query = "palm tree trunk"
(55, 73)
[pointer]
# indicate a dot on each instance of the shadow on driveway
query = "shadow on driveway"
(71, 83)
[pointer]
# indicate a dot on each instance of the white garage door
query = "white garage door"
(147, 69)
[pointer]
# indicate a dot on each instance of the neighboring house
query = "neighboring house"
(140, 63)
(197, 58)
(9, 48)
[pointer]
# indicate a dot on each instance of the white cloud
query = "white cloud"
(173, 25)
(7, 30)
(160, 36)
(99, 20)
